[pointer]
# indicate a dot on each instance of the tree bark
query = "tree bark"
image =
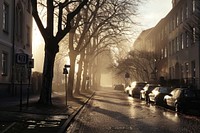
(45, 95)
(78, 81)
(83, 88)
(72, 56)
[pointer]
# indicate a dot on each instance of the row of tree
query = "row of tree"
(92, 26)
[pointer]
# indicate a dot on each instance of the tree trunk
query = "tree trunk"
(72, 56)
(46, 90)
(83, 89)
(78, 81)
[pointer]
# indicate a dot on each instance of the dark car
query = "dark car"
(138, 87)
(158, 93)
(183, 99)
(144, 93)
(119, 87)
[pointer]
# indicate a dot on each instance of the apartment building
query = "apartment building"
(175, 40)
(15, 44)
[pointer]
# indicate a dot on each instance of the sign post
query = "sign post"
(65, 72)
(30, 66)
(22, 60)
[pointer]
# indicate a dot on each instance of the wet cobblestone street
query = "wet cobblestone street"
(112, 111)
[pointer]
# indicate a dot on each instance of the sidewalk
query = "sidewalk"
(36, 118)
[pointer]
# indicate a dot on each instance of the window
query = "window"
(186, 11)
(165, 52)
(177, 19)
(186, 69)
(193, 5)
(187, 39)
(181, 15)
(193, 35)
(162, 53)
(5, 17)
(182, 41)
(177, 44)
(4, 64)
(193, 70)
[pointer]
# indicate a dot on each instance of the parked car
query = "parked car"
(158, 93)
(144, 93)
(138, 87)
(119, 87)
(183, 99)
(129, 88)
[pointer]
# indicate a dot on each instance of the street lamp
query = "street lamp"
(65, 72)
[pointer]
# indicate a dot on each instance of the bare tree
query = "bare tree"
(59, 15)
(138, 64)
(107, 20)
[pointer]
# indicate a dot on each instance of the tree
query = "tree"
(104, 20)
(59, 15)
(139, 64)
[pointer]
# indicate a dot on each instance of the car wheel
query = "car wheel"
(164, 104)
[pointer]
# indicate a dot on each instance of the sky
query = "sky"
(150, 12)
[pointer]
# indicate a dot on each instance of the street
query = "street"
(112, 111)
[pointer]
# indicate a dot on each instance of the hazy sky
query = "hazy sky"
(152, 11)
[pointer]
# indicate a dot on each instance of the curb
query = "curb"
(72, 116)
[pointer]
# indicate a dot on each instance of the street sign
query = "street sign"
(21, 58)
(31, 63)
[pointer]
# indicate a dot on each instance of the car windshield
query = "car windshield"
(164, 90)
(140, 85)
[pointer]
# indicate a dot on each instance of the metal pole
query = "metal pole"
(28, 89)
(66, 88)
(21, 92)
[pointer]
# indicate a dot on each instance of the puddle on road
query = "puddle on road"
(42, 124)
(129, 128)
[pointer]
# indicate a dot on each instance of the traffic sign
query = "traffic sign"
(21, 58)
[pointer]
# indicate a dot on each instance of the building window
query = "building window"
(4, 64)
(165, 52)
(193, 70)
(177, 44)
(186, 69)
(187, 39)
(182, 71)
(177, 19)
(5, 17)
(162, 53)
(181, 15)
(193, 5)
(182, 41)
(186, 11)
(193, 35)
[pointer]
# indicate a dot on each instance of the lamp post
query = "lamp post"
(65, 72)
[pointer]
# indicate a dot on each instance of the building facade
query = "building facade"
(175, 40)
(15, 44)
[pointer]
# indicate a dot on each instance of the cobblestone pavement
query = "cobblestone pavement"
(111, 111)
(36, 118)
